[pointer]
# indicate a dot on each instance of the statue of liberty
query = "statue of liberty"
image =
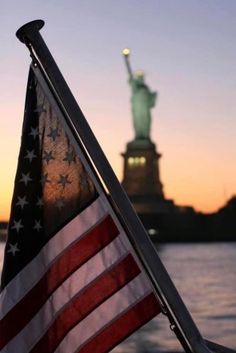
(142, 101)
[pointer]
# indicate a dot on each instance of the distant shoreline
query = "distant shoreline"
(184, 227)
(159, 239)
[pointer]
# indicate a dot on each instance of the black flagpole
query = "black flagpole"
(173, 306)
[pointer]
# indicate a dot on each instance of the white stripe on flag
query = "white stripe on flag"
(30, 275)
(105, 313)
(73, 285)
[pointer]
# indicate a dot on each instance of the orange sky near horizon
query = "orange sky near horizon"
(185, 181)
(188, 54)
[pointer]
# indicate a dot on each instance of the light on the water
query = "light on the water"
(152, 231)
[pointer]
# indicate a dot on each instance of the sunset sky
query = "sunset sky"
(187, 50)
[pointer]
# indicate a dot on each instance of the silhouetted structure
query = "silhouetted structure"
(164, 220)
(141, 178)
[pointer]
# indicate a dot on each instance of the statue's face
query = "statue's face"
(140, 78)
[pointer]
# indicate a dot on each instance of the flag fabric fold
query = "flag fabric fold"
(71, 281)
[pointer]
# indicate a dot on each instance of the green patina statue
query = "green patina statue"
(142, 101)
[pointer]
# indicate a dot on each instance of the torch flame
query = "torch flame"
(126, 51)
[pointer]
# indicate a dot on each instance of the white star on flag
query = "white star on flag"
(37, 225)
(64, 180)
(69, 157)
(48, 156)
(13, 249)
(25, 178)
(60, 202)
(21, 202)
(39, 202)
(44, 179)
(53, 133)
(34, 132)
(30, 155)
(17, 225)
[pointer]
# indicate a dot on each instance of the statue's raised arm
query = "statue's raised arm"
(126, 53)
(142, 100)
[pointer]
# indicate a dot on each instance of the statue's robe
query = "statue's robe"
(142, 101)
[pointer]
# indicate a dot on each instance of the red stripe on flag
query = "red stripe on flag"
(122, 327)
(67, 263)
(97, 292)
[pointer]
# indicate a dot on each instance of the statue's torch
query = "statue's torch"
(126, 53)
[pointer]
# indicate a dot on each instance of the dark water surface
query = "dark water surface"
(205, 276)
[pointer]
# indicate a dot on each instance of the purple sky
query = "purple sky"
(187, 50)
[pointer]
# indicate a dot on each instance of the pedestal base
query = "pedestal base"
(141, 178)
(141, 169)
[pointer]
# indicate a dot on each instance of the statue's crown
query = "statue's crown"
(139, 74)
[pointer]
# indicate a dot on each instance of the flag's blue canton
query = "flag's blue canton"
(51, 185)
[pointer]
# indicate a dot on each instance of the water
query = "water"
(205, 276)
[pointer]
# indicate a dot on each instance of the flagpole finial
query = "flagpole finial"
(29, 28)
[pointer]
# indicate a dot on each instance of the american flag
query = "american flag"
(71, 281)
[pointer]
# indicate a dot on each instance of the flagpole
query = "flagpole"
(173, 306)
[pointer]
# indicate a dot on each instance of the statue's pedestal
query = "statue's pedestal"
(141, 178)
